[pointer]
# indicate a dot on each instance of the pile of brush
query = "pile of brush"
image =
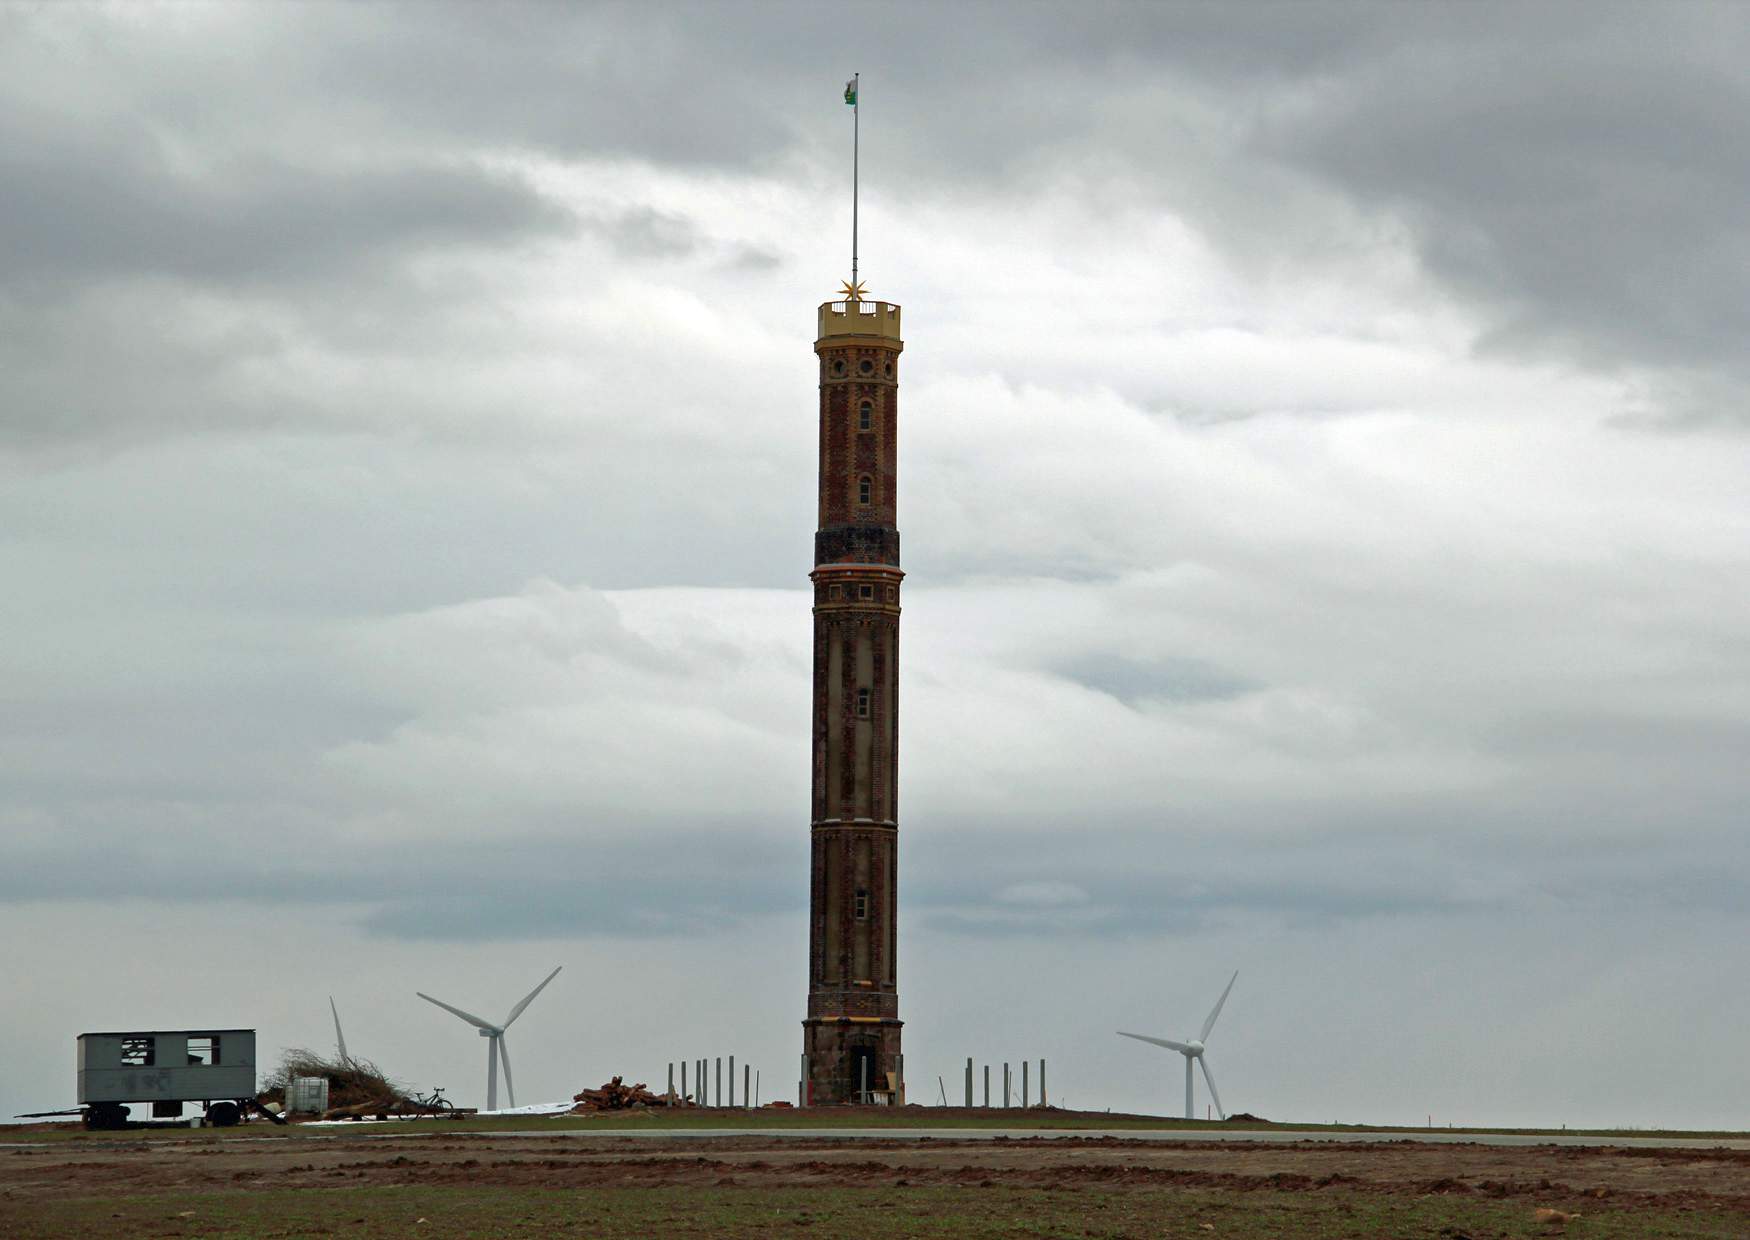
(352, 1083)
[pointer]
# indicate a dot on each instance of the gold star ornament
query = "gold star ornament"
(852, 291)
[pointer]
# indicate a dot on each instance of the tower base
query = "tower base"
(839, 1049)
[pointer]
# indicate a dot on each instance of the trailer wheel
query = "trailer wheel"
(105, 1116)
(223, 1114)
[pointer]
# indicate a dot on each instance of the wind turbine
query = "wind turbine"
(494, 1035)
(1193, 1051)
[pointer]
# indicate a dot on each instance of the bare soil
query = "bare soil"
(1658, 1185)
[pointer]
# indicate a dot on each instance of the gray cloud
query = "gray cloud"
(584, 878)
(1174, 680)
(1567, 172)
(1425, 864)
(117, 212)
(1582, 177)
(563, 878)
(647, 233)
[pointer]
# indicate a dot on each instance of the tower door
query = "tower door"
(863, 1059)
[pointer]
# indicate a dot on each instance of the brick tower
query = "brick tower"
(853, 1022)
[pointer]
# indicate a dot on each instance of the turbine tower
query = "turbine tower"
(494, 1035)
(1193, 1051)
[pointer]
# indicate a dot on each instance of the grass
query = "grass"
(951, 1213)
(912, 1118)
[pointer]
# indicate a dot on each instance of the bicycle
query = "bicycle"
(433, 1103)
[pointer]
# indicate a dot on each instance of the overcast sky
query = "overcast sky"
(1323, 474)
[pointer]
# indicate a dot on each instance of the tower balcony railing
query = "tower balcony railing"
(859, 318)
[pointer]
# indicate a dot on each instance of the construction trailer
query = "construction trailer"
(213, 1068)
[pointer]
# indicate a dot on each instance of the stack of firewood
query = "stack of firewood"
(616, 1096)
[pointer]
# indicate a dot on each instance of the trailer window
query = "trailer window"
(137, 1052)
(203, 1050)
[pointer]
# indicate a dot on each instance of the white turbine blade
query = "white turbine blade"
(467, 1016)
(1166, 1042)
(1216, 1010)
(339, 1037)
(1213, 1096)
(509, 1089)
(528, 999)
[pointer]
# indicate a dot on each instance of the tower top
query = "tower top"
(859, 318)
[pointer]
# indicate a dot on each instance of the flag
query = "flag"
(851, 92)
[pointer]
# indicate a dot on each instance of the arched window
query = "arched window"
(863, 488)
(865, 415)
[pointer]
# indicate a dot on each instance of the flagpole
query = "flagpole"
(856, 141)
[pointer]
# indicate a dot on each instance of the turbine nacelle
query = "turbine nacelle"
(1193, 1048)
